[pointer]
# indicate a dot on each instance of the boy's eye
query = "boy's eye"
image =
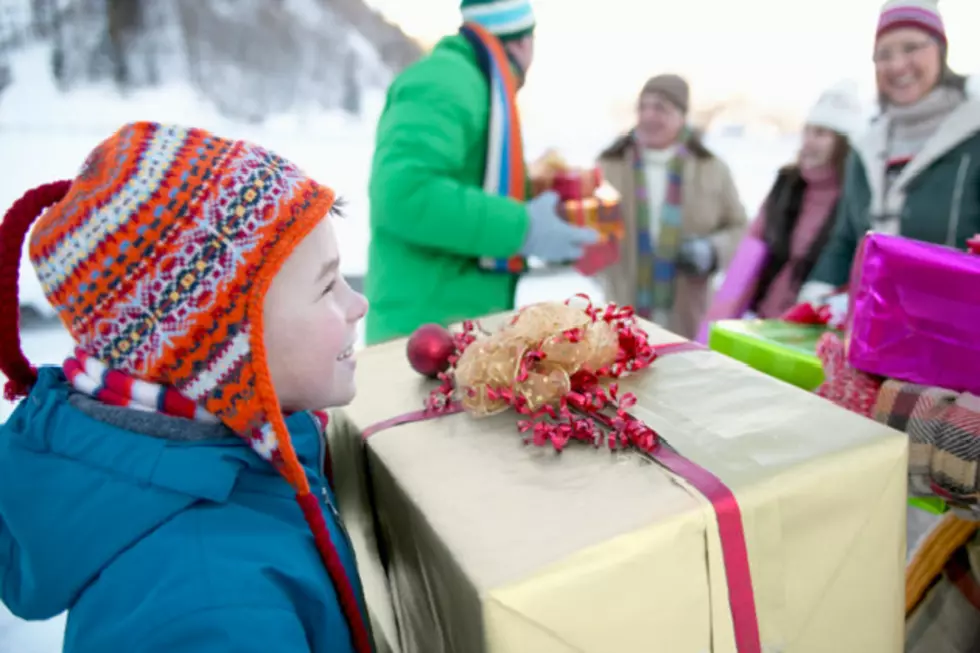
(327, 289)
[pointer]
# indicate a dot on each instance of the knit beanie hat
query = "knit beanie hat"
(672, 87)
(157, 258)
(920, 14)
(508, 20)
(838, 109)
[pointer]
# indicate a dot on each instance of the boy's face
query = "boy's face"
(311, 317)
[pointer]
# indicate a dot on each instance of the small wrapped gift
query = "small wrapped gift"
(915, 313)
(582, 203)
(552, 172)
(733, 514)
(577, 183)
(543, 170)
(778, 348)
(605, 216)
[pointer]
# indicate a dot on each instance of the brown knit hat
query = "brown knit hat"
(672, 87)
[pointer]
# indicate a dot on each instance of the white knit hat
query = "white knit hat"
(838, 109)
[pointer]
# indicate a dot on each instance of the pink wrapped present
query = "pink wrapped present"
(733, 298)
(915, 311)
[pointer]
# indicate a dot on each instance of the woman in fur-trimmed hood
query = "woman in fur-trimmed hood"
(916, 171)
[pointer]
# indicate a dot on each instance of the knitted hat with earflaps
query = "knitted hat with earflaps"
(508, 20)
(157, 258)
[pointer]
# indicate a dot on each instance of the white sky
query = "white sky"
(779, 53)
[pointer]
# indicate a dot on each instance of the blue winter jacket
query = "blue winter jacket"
(159, 534)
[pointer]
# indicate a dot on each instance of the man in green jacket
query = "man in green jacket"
(432, 221)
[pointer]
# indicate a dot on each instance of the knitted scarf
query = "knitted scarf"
(504, 173)
(656, 267)
(92, 377)
(909, 129)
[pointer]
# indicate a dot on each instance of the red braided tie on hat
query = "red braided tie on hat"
(16, 223)
(356, 620)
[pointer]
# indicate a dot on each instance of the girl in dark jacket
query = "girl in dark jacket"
(797, 217)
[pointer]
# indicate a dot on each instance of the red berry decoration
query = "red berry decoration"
(429, 350)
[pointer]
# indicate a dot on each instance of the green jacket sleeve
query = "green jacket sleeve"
(418, 189)
(834, 265)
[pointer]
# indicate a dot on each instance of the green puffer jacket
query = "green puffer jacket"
(430, 218)
(936, 197)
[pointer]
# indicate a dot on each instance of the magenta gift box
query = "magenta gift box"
(915, 313)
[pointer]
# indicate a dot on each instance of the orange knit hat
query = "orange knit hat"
(157, 258)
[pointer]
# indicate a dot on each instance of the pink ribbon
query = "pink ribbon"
(731, 531)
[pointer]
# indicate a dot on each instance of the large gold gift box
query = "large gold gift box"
(482, 544)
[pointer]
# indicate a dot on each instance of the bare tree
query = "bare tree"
(351, 101)
(123, 26)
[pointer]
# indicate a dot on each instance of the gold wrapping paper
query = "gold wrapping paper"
(491, 546)
(550, 171)
(603, 215)
(542, 171)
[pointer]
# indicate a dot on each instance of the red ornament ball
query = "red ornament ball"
(429, 350)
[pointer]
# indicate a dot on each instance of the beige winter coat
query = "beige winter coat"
(711, 208)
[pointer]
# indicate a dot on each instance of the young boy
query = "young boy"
(167, 485)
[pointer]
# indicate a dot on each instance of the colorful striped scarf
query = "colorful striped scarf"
(92, 377)
(657, 253)
(505, 171)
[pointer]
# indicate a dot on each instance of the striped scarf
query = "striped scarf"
(92, 377)
(505, 172)
(657, 252)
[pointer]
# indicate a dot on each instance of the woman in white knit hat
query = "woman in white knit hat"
(797, 216)
(916, 172)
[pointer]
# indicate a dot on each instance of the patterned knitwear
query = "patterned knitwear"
(157, 258)
(508, 20)
(918, 14)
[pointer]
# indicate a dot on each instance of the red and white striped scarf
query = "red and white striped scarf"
(94, 378)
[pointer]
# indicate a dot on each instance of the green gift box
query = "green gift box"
(780, 349)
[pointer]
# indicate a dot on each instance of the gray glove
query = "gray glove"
(697, 257)
(550, 238)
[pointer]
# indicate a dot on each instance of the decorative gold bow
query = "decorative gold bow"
(535, 356)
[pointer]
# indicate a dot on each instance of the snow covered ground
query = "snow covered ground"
(45, 136)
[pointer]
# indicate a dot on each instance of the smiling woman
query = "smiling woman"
(915, 171)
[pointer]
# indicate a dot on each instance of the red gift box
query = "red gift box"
(603, 215)
(576, 184)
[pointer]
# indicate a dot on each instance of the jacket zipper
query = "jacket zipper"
(955, 210)
(324, 492)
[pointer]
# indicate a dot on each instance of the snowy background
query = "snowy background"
(305, 78)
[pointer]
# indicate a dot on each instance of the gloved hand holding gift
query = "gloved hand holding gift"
(550, 237)
(571, 221)
(584, 203)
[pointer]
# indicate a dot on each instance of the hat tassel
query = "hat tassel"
(16, 223)
(356, 621)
